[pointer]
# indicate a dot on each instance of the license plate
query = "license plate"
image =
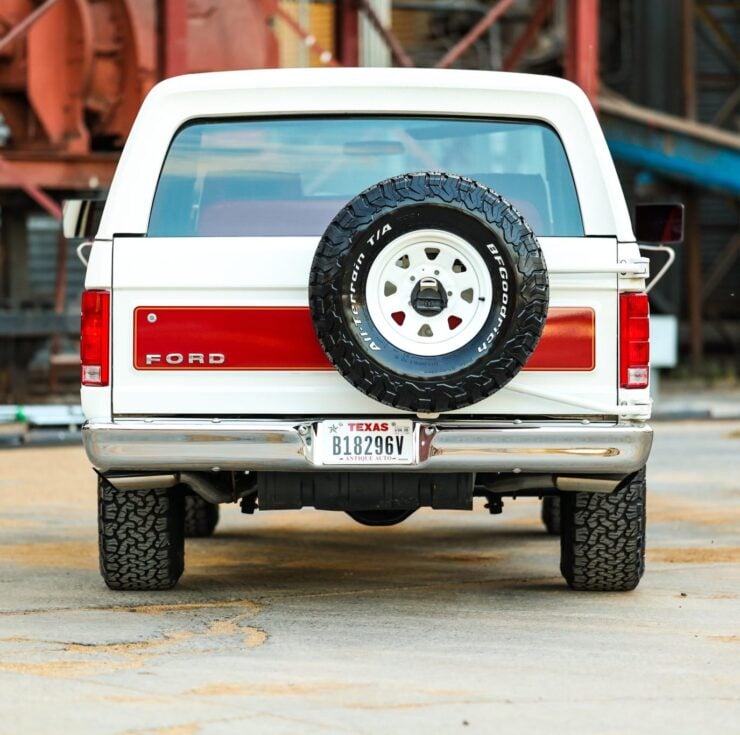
(364, 442)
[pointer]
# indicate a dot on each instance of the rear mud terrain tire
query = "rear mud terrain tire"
(602, 541)
(551, 514)
(141, 535)
(428, 292)
(201, 517)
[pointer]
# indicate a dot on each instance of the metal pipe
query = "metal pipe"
(144, 482)
(670, 254)
(582, 52)
(389, 38)
(197, 482)
(474, 33)
(525, 40)
(346, 32)
(325, 57)
(20, 28)
(204, 487)
(727, 108)
(33, 191)
(521, 483)
(563, 483)
(585, 484)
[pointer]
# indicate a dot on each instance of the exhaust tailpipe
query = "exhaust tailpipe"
(199, 483)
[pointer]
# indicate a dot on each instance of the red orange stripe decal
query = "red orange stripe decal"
(568, 340)
(283, 338)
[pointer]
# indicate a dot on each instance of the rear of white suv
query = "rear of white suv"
(367, 291)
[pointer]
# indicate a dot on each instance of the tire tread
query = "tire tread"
(603, 537)
(141, 539)
(551, 514)
(201, 517)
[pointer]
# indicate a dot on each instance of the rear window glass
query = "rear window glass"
(289, 177)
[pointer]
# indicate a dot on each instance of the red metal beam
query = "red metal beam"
(19, 29)
(582, 51)
(174, 36)
(389, 38)
(346, 32)
(474, 33)
(530, 32)
(67, 173)
(11, 172)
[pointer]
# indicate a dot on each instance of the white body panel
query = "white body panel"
(275, 271)
(228, 272)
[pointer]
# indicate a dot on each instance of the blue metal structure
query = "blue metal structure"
(672, 147)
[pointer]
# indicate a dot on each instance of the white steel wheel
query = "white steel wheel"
(429, 292)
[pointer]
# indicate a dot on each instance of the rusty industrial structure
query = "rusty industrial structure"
(74, 72)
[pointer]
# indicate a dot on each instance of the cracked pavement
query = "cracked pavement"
(306, 622)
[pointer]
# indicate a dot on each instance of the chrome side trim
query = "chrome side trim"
(239, 445)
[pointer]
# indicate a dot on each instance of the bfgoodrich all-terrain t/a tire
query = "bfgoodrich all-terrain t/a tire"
(141, 534)
(551, 514)
(428, 292)
(201, 517)
(602, 540)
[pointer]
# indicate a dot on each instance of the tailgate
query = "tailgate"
(220, 327)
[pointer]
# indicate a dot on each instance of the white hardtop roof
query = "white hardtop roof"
(369, 78)
(275, 92)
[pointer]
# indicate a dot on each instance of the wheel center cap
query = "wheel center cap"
(428, 297)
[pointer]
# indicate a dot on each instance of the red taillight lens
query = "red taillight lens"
(634, 340)
(95, 337)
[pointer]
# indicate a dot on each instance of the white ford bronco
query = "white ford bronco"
(367, 291)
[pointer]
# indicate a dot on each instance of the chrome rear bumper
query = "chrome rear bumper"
(287, 445)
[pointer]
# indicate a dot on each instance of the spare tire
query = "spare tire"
(428, 292)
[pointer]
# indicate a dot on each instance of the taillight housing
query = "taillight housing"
(95, 338)
(634, 340)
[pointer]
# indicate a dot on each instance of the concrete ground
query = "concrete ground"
(303, 622)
